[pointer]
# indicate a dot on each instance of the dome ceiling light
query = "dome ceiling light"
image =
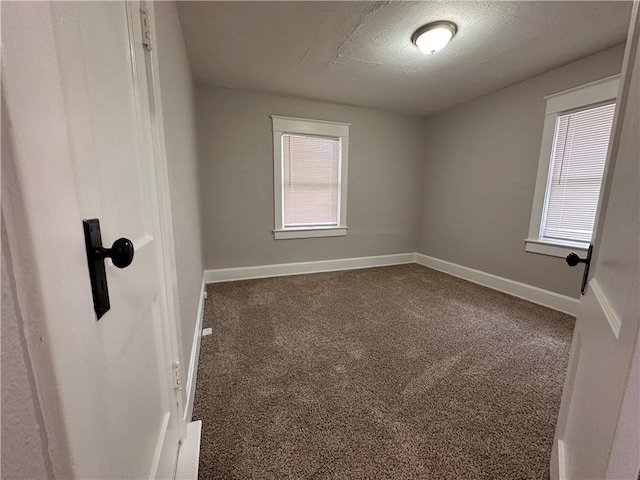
(434, 36)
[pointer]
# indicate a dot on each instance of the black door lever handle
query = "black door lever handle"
(574, 259)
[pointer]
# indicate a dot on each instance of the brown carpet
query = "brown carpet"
(396, 372)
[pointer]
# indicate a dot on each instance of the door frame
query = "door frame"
(170, 276)
(169, 281)
(39, 166)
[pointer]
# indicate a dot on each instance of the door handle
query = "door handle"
(120, 253)
(574, 259)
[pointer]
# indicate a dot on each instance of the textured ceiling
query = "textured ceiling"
(360, 53)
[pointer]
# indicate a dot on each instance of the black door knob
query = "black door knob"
(120, 253)
(573, 259)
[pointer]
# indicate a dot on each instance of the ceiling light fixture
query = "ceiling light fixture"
(434, 36)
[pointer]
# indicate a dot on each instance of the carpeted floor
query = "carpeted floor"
(396, 372)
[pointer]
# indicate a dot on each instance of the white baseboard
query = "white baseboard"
(195, 354)
(537, 295)
(278, 270)
(533, 294)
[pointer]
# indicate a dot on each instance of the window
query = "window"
(310, 177)
(574, 149)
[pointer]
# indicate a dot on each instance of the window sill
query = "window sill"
(554, 249)
(288, 233)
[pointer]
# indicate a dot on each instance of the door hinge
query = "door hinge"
(146, 28)
(177, 376)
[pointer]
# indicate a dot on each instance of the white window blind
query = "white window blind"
(311, 180)
(577, 164)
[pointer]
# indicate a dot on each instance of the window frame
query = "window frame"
(314, 128)
(578, 98)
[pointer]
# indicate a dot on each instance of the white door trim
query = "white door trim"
(189, 456)
(562, 461)
(164, 205)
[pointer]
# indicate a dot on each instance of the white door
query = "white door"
(77, 90)
(598, 431)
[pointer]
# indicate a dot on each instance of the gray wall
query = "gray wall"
(457, 186)
(235, 140)
(480, 171)
(182, 158)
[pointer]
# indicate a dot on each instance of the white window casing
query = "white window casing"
(310, 159)
(575, 136)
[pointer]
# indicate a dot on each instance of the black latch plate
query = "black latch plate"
(97, 272)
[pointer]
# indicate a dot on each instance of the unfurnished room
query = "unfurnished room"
(320, 240)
